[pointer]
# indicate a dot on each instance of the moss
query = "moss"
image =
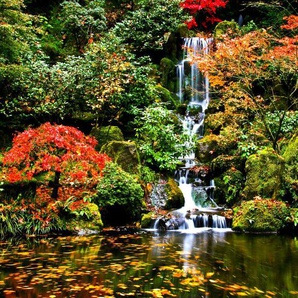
(225, 27)
(222, 163)
(175, 198)
(206, 148)
(264, 174)
(213, 145)
(168, 73)
(147, 220)
(166, 96)
(291, 167)
(261, 215)
(89, 218)
(106, 134)
(184, 31)
(124, 153)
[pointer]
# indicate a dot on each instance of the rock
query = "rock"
(291, 167)
(264, 172)
(124, 153)
(261, 215)
(175, 198)
(106, 134)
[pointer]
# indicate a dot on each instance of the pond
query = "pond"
(188, 263)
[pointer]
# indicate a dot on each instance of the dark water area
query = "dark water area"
(197, 263)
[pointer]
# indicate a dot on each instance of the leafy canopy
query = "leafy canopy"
(53, 148)
(149, 25)
(263, 69)
(161, 137)
(202, 11)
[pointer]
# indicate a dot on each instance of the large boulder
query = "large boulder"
(264, 174)
(168, 73)
(167, 195)
(106, 134)
(175, 198)
(212, 145)
(124, 153)
(291, 167)
(261, 215)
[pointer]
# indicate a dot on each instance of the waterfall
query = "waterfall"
(193, 88)
(200, 209)
(189, 77)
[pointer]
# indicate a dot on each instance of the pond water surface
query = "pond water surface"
(197, 263)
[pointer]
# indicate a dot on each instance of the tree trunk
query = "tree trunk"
(56, 185)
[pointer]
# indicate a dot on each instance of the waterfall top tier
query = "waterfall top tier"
(192, 85)
(197, 46)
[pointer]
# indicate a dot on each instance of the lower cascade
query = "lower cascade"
(200, 209)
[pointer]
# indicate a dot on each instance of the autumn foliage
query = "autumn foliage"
(207, 7)
(256, 74)
(50, 149)
(63, 165)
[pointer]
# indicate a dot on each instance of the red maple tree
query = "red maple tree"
(62, 154)
(207, 7)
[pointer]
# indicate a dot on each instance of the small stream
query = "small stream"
(141, 263)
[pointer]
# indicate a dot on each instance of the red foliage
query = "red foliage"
(51, 149)
(209, 7)
(292, 22)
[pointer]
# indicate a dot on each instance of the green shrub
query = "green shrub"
(119, 196)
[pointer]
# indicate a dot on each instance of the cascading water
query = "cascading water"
(200, 209)
(193, 87)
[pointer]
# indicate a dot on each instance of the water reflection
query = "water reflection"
(205, 263)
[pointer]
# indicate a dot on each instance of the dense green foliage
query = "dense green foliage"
(161, 138)
(119, 196)
(150, 24)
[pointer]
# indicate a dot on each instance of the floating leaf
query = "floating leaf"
(209, 274)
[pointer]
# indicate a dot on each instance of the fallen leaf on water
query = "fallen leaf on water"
(258, 290)
(209, 274)
(270, 293)
(242, 294)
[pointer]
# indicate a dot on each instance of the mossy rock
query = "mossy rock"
(291, 167)
(225, 27)
(222, 163)
(183, 31)
(166, 96)
(213, 145)
(261, 215)
(175, 198)
(89, 218)
(264, 172)
(124, 153)
(147, 220)
(206, 149)
(181, 108)
(106, 134)
(168, 73)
